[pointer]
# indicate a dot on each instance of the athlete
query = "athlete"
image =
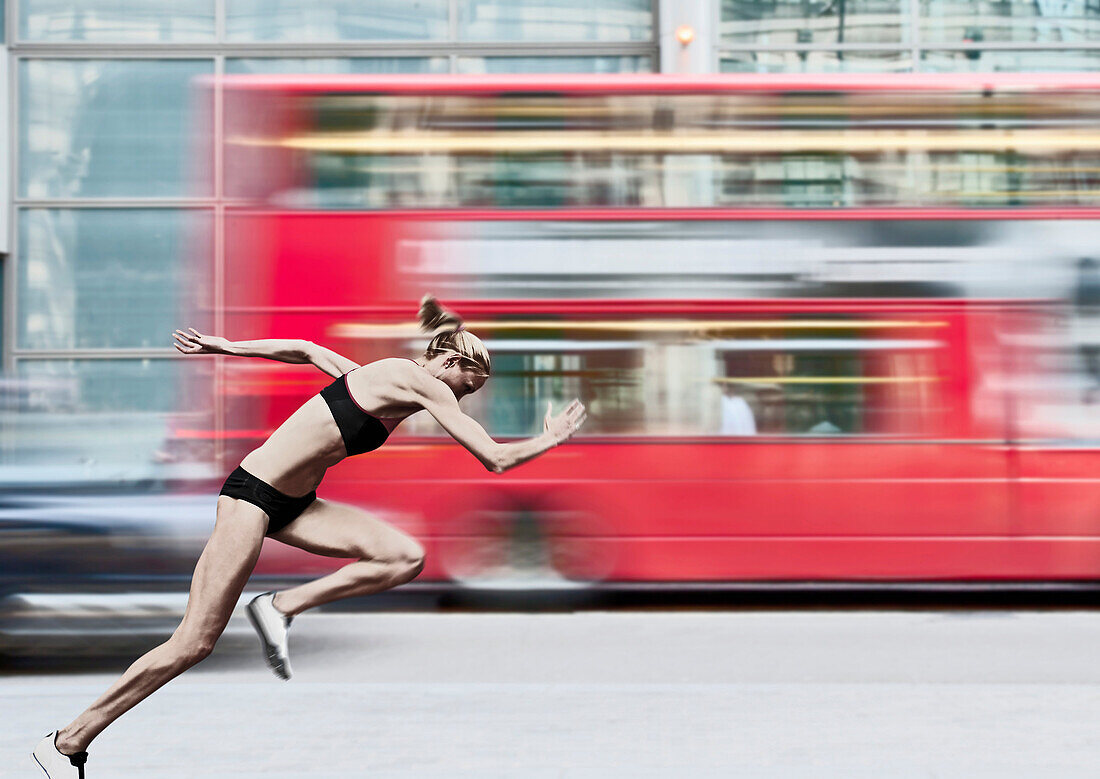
(273, 493)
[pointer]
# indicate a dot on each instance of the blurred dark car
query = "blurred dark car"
(85, 569)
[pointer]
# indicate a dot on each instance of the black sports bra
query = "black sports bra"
(361, 431)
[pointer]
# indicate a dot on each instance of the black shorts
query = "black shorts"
(281, 509)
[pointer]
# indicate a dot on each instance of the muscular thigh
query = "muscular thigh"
(224, 565)
(339, 530)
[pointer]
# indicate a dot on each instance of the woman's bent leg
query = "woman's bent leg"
(387, 557)
(220, 576)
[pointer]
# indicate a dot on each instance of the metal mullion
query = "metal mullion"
(452, 21)
(7, 348)
(716, 21)
(7, 300)
(38, 355)
(219, 21)
(814, 47)
(1012, 46)
(99, 52)
(219, 259)
(54, 48)
(914, 17)
(654, 42)
(655, 26)
(358, 49)
(178, 203)
(901, 47)
(11, 22)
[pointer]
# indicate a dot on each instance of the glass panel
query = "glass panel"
(1081, 60)
(816, 62)
(335, 20)
(105, 419)
(109, 128)
(785, 22)
(116, 20)
(97, 278)
(107, 385)
(554, 65)
(555, 20)
(956, 21)
(338, 65)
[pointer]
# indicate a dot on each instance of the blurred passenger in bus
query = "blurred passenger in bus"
(737, 414)
(824, 424)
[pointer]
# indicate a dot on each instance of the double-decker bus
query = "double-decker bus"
(828, 328)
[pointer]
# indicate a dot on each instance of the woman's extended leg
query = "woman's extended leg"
(387, 557)
(220, 576)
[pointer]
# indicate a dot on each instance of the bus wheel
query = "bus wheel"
(514, 545)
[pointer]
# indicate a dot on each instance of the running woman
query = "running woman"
(273, 493)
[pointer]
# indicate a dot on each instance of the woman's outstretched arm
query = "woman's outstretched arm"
(292, 350)
(438, 400)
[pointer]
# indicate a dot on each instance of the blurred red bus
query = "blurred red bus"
(820, 323)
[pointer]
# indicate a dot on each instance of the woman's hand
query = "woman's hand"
(197, 343)
(564, 425)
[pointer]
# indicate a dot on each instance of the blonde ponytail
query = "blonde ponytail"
(433, 315)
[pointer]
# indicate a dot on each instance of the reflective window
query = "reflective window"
(555, 20)
(785, 22)
(109, 128)
(106, 385)
(106, 419)
(99, 278)
(625, 64)
(322, 65)
(335, 20)
(956, 21)
(1071, 60)
(816, 61)
(116, 20)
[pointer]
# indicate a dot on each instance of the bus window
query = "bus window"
(831, 378)
(800, 150)
(778, 377)
(607, 377)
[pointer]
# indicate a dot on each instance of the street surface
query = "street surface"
(597, 694)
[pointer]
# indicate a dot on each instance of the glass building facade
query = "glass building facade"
(112, 217)
(891, 36)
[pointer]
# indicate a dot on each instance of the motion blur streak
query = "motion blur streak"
(829, 329)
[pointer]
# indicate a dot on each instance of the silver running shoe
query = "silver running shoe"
(55, 764)
(271, 625)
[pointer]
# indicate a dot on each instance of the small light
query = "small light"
(685, 34)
